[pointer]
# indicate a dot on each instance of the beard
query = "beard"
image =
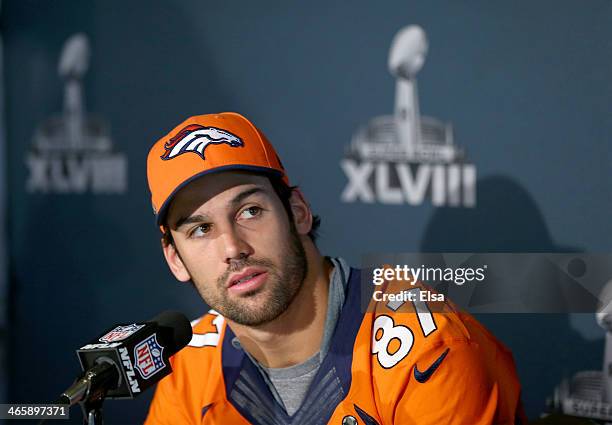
(264, 304)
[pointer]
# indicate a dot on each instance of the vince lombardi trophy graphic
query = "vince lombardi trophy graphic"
(406, 135)
(604, 319)
(404, 157)
(406, 58)
(72, 66)
(74, 130)
(588, 394)
(72, 151)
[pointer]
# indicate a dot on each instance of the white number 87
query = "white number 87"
(385, 326)
(380, 347)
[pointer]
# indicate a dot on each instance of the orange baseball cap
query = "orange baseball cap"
(206, 144)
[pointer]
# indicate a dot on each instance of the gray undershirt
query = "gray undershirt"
(290, 384)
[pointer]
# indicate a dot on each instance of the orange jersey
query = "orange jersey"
(387, 366)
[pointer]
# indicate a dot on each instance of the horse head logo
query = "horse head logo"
(195, 138)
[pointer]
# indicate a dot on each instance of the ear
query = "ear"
(302, 216)
(175, 263)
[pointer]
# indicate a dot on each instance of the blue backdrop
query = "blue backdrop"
(525, 86)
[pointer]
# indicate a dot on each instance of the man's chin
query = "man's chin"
(253, 319)
(256, 315)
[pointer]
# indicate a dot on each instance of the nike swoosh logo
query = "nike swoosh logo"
(423, 377)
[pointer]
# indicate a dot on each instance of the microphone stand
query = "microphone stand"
(89, 391)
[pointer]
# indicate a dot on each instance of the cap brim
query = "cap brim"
(161, 214)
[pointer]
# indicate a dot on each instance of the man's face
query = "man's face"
(234, 240)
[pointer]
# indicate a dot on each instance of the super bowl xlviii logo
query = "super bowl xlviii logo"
(406, 158)
(72, 152)
(148, 357)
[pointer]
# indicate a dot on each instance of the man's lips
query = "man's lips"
(247, 281)
(244, 276)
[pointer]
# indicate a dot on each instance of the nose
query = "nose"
(234, 246)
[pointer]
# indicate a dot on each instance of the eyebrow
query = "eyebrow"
(233, 203)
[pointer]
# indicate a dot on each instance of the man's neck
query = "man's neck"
(296, 334)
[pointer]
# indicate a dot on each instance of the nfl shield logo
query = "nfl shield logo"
(148, 357)
(120, 333)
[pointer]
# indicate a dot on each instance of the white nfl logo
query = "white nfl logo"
(120, 333)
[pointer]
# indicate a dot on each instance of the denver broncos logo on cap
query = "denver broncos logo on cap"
(195, 138)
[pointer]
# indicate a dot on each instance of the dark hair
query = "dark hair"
(284, 193)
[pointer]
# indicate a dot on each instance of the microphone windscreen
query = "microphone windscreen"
(177, 326)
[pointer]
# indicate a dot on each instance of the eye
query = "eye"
(250, 212)
(200, 230)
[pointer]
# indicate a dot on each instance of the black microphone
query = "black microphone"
(127, 359)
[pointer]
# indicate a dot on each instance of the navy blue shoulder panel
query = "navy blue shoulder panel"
(231, 360)
(343, 340)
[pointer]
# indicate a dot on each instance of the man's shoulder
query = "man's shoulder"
(204, 348)
(417, 323)
(197, 374)
(426, 317)
(207, 330)
(436, 348)
(200, 358)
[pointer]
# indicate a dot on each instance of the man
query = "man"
(286, 341)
